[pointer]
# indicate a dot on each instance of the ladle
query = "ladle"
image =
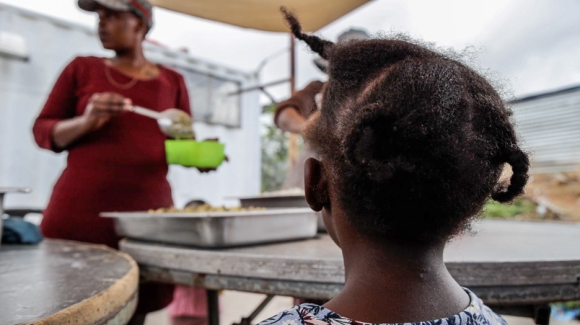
(173, 122)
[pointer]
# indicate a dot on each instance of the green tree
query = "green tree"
(274, 153)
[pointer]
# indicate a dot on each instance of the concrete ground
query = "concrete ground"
(236, 305)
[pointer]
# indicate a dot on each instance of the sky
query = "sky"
(527, 46)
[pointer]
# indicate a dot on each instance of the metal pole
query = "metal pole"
(292, 146)
(270, 84)
(292, 65)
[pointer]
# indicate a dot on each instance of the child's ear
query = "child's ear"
(316, 184)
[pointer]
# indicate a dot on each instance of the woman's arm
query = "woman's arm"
(182, 101)
(291, 114)
(58, 125)
(60, 105)
(66, 132)
(100, 109)
(291, 121)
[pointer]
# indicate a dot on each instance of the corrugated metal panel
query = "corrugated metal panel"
(549, 126)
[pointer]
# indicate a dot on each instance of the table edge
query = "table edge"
(104, 305)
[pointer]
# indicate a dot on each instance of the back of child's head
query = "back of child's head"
(414, 140)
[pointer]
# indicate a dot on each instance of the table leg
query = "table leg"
(542, 314)
(539, 313)
(213, 312)
(248, 320)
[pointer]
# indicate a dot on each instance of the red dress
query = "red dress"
(120, 167)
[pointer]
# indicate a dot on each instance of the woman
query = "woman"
(409, 144)
(116, 159)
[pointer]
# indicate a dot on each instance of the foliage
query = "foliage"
(274, 153)
(519, 207)
(571, 304)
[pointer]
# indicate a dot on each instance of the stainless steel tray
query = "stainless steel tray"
(275, 201)
(280, 201)
(217, 229)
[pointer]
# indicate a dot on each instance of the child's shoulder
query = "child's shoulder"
(311, 314)
(300, 314)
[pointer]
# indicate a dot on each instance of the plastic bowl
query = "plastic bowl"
(190, 153)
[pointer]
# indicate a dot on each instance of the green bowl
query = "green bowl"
(190, 153)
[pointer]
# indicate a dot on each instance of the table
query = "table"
(515, 266)
(5, 190)
(65, 282)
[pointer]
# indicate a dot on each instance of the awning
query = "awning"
(264, 14)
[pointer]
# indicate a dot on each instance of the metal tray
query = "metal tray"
(275, 201)
(280, 201)
(217, 229)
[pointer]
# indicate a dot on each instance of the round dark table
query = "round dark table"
(65, 282)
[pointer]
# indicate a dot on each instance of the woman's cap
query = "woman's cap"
(349, 35)
(141, 8)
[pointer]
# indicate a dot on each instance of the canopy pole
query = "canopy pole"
(292, 64)
(292, 145)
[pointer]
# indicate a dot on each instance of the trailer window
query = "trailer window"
(211, 98)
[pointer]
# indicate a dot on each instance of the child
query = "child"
(410, 144)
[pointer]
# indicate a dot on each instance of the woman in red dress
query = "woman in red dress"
(116, 159)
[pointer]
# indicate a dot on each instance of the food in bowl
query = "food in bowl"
(182, 128)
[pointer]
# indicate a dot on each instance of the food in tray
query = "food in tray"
(204, 208)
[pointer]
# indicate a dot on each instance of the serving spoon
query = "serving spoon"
(173, 122)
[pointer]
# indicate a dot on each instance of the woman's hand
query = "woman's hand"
(102, 107)
(207, 170)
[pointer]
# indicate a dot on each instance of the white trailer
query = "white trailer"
(35, 48)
